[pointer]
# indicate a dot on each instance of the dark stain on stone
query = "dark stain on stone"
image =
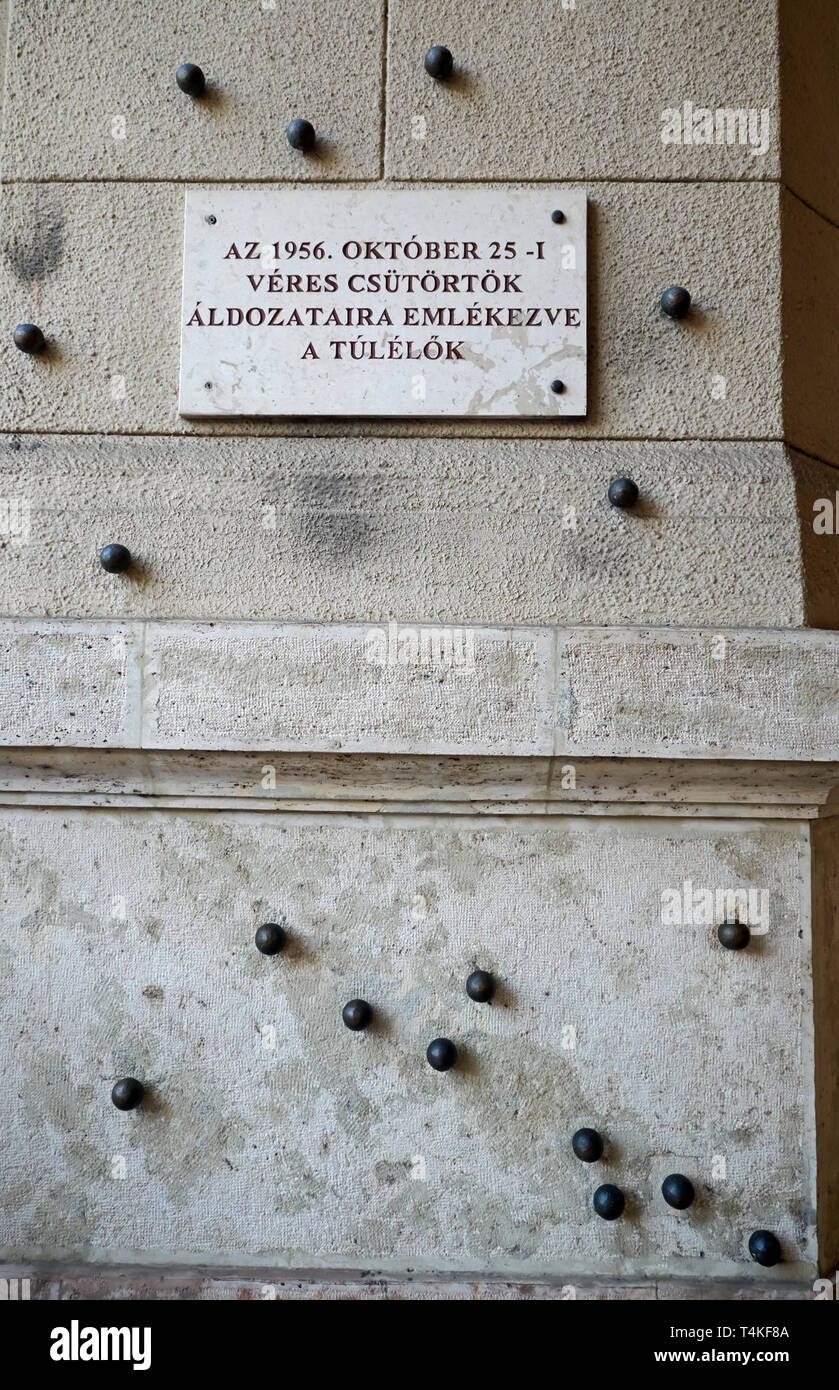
(327, 516)
(37, 253)
(388, 1173)
(35, 920)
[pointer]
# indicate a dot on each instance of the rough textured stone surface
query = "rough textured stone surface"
(444, 531)
(618, 692)
(816, 485)
(4, 29)
(317, 687)
(464, 531)
(698, 694)
(525, 692)
(75, 68)
(70, 683)
(112, 313)
(257, 1147)
(575, 91)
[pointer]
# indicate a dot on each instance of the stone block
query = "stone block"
(99, 267)
(443, 531)
(272, 1136)
(91, 91)
(578, 90)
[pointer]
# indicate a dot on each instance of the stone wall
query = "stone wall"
(648, 699)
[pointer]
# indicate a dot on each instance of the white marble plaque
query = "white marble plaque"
(426, 301)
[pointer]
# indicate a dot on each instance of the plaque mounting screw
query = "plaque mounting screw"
(208, 386)
(301, 134)
(29, 338)
(439, 62)
(675, 302)
(191, 80)
(211, 219)
(557, 216)
(557, 387)
(115, 558)
(623, 492)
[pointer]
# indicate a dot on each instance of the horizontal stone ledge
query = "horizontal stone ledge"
(50, 1281)
(400, 784)
(129, 1284)
(406, 689)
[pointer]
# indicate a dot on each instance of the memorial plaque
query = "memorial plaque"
(426, 301)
